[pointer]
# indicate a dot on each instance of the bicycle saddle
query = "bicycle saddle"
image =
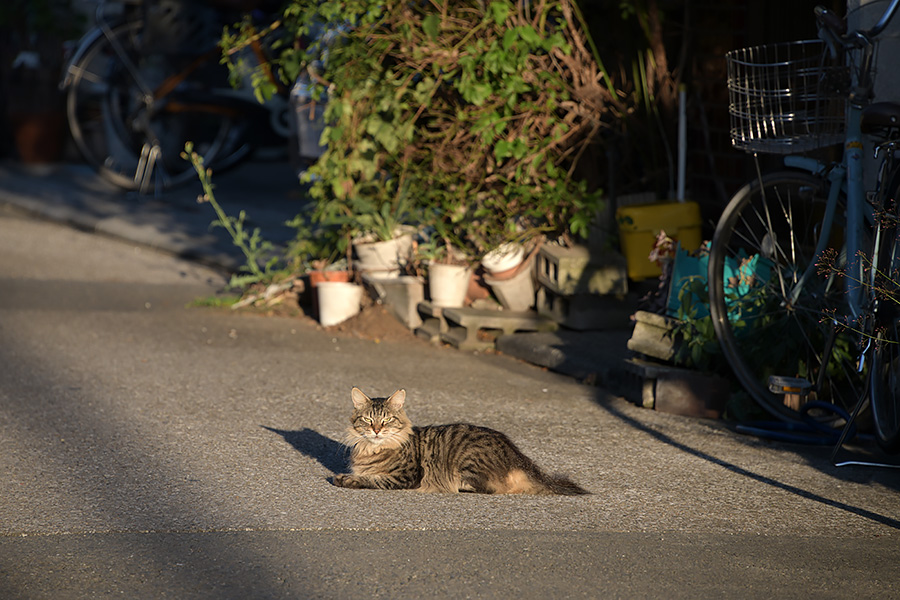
(880, 116)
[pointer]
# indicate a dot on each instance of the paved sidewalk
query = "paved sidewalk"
(173, 221)
(149, 449)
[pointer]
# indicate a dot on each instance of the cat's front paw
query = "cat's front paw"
(346, 480)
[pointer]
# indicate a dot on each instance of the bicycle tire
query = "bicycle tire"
(884, 295)
(117, 128)
(766, 238)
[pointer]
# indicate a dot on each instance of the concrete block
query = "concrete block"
(433, 322)
(691, 393)
(652, 336)
(464, 325)
(574, 270)
(677, 391)
(401, 296)
(584, 311)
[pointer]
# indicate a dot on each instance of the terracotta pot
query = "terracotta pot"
(40, 137)
(478, 289)
(316, 277)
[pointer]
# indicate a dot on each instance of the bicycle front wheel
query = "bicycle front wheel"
(773, 313)
(125, 128)
(884, 298)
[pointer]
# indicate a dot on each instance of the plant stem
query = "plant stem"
(233, 226)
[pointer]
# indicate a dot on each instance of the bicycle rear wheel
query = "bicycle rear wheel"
(884, 298)
(773, 316)
(131, 137)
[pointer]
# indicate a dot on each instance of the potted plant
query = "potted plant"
(473, 115)
(383, 238)
(31, 60)
(449, 271)
(359, 186)
(317, 251)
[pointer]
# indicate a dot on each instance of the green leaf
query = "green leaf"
(499, 11)
(477, 93)
(509, 38)
(502, 150)
(528, 34)
(431, 25)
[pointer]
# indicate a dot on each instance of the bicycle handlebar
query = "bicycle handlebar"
(884, 20)
(833, 31)
(837, 26)
(830, 21)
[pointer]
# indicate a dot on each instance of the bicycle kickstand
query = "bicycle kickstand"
(848, 427)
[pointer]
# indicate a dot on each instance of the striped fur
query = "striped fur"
(388, 452)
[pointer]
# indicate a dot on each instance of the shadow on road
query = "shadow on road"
(331, 454)
(188, 564)
(668, 440)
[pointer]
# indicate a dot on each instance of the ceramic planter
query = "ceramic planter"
(318, 277)
(503, 260)
(514, 288)
(448, 284)
(338, 301)
(384, 258)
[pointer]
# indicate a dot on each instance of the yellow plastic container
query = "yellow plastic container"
(640, 225)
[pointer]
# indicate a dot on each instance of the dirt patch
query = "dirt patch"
(374, 322)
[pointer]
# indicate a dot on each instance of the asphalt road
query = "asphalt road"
(153, 450)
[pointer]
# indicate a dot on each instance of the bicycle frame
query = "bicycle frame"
(847, 175)
(140, 153)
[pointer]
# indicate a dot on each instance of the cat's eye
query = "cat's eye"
(367, 420)
(387, 420)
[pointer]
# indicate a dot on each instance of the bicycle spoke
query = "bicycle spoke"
(119, 128)
(780, 324)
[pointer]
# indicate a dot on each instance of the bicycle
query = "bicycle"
(803, 262)
(138, 89)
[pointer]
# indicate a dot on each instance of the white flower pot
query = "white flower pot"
(517, 292)
(338, 301)
(383, 259)
(448, 284)
(503, 258)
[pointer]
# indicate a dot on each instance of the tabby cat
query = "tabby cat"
(388, 452)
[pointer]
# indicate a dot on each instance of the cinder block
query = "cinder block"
(652, 336)
(433, 323)
(401, 295)
(692, 394)
(574, 270)
(464, 324)
(678, 391)
(584, 311)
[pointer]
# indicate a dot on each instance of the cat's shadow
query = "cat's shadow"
(331, 454)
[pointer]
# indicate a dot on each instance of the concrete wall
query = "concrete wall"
(864, 14)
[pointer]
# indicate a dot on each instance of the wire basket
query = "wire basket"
(786, 98)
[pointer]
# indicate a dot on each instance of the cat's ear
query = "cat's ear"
(360, 400)
(396, 400)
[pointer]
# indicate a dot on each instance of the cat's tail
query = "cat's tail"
(558, 484)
